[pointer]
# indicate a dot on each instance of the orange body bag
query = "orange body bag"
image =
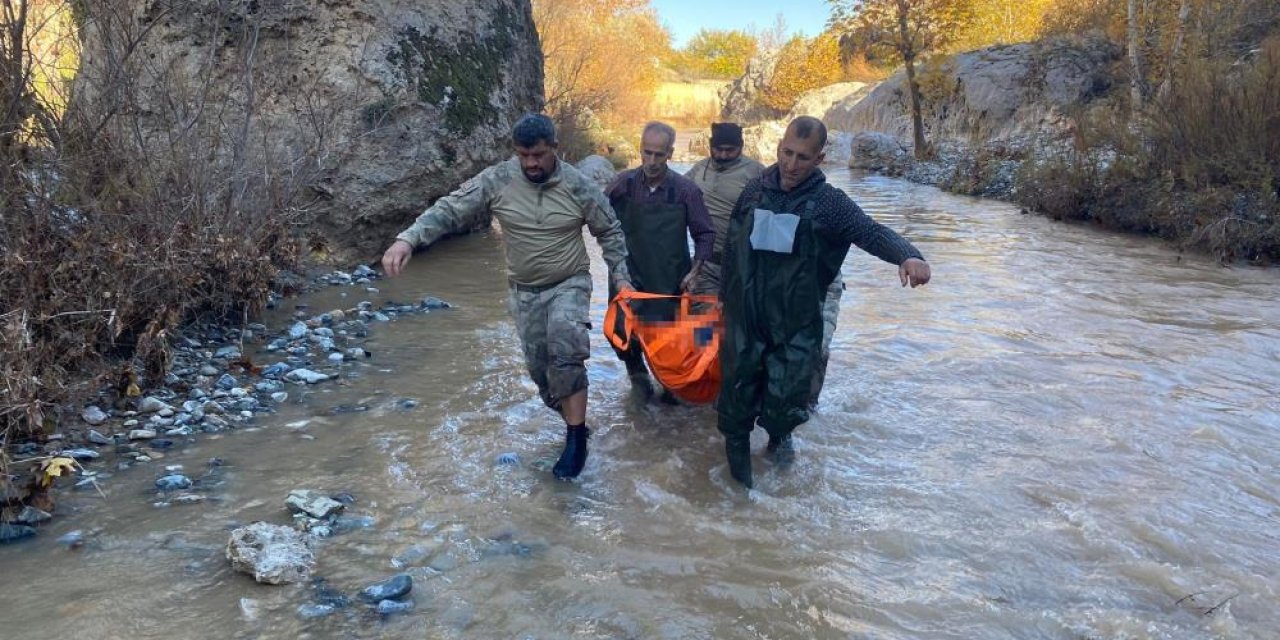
(684, 354)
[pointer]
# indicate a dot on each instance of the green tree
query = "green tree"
(907, 30)
(719, 53)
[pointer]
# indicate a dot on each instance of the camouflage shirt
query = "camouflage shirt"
(541, 223)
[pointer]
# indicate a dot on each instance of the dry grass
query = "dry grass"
(1201, 167)
(687, 104)
(109, 243)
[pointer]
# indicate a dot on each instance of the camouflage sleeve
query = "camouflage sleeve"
(604, 225)
(465, 209)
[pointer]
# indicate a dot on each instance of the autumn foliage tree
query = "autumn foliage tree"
(601, 58)
(716, 53)
(907, 30)
(803, 64)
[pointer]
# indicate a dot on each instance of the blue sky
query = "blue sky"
(686, 17)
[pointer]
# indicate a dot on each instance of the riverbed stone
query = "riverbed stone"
(82, 454)
(389, 607)
(142, 434)
(173, 482)
(394, 587)
(93, 415)
(313, 503)
(14, 532)
(97, 438)
(272, 554)
(152, 404)
(298, 331)
(306, 375)
(31, 515)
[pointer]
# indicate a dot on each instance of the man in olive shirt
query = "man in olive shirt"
(542, 205)
(659, 210)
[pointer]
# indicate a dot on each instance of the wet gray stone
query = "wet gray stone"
(272, 554)
(432, 303)
(94, 415)
(82, 454)
(230, 352)
(336, 358)
(152, 404)
(142, 434)
(389, 607)
(298, 331)
(279, 396)
(306, 375)
(209, 370)
(313, 610)
(394, 587)
(226, 382)
(14, 532)
(312, 503)
(173, 482)
(32, 515)
(97, 438)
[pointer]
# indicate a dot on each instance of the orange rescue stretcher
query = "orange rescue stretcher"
(683, 354)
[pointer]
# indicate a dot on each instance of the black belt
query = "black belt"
(537, 288)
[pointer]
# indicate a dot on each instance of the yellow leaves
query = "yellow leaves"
(53, 468)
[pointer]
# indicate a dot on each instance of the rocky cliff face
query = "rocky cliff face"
(384, 105)
(1002, 94)
(741, 98)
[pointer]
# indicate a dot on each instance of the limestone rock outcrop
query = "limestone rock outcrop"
(1005, 93)
(369, 110)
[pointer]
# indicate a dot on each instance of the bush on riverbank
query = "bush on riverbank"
(109, 242)
(1200, 166)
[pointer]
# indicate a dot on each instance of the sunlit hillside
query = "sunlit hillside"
(687, 104)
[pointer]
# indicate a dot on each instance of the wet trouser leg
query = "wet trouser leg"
(738, 404)
(830, 315)
(553, 324)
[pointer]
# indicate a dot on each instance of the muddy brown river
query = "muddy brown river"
(1068, 434)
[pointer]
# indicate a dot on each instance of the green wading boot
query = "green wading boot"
(574, 456)
(783, 451)
(738, 450)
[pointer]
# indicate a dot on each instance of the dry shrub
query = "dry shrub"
(1201, 168)
(123, 220)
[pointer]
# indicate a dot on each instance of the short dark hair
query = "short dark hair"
(533, 128)
(806, 126)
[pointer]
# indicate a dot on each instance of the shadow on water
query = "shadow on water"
(1062, 437)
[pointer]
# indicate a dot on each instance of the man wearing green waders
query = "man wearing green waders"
(542, 205)
(659, 210)
(787, 237)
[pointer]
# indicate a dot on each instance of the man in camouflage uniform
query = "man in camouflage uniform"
(721, 177)
(542, 205)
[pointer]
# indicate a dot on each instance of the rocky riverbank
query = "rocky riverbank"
(214, 384)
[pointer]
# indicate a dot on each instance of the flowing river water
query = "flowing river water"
(1068, 434)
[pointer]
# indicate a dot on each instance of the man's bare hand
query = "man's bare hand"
(396, 256)
(691, 278)
(914, 272)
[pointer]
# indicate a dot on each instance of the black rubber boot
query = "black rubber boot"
(668, 398)
(783, 451)
(738, 450)
(574, 456)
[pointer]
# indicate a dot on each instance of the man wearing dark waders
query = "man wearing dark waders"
(722, 176)
(659, 210)
(542, 205)
(787, 237)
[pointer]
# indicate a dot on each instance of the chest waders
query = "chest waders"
(773, 326)
(657, 257)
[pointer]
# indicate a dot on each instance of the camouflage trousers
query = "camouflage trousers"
(554, 323)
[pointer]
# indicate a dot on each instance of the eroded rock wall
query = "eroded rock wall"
(376, 107)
